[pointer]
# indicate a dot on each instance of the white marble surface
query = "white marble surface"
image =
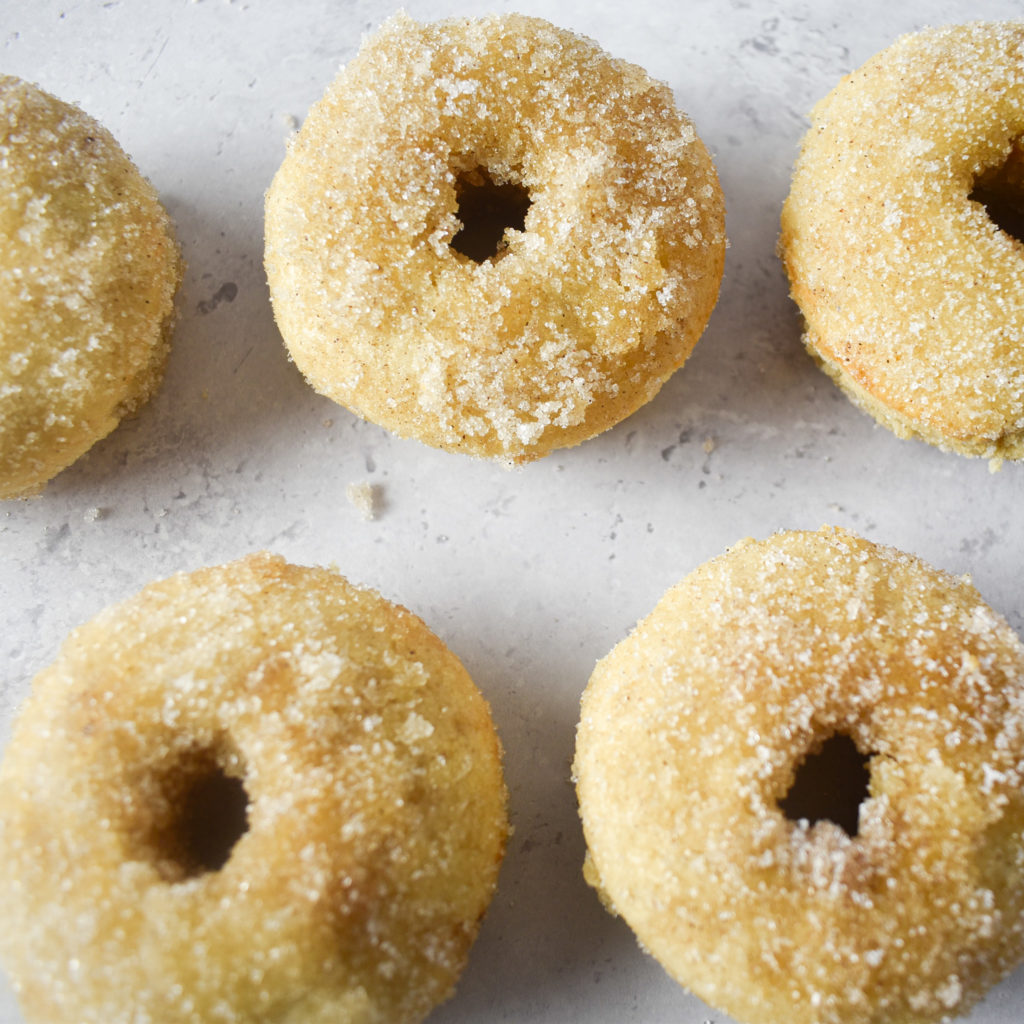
(529, 575)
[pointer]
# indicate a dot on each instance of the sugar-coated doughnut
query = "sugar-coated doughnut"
(913, 297)
(252, 793)
(692, 739)
(600, 273)
(88, 272)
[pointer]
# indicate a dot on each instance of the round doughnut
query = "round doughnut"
(700, 730)
(88, 272)
(912, 295)
(490, 236)
(251, 793)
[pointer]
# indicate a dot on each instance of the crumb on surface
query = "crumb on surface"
(363, 495)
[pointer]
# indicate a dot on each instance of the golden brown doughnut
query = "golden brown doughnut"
(88, 271)
(692, 735)
(324, 732)
(913, 297)
(593, 288)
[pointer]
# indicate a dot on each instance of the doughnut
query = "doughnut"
(88, 272)
(252, 793)
(492, 237)
(911, 292)
(813, 656)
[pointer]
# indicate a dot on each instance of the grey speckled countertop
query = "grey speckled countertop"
(529, 575)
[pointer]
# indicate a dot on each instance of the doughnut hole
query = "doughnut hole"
(487, 209)
(830, 784)
(198, 811)
(1000, 190)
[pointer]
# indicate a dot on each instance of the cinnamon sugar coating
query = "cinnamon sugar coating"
(374, 809)
(693, 728)
(88, 272)
(913, 297)
(579, 315)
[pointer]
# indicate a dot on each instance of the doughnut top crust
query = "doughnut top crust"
(913, 297)
(375, 809)
(88, 271)
(578, 317)
(693, 728)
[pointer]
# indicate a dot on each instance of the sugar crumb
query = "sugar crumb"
(363, 496)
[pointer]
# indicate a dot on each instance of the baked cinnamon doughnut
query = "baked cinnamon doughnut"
(492, 237)
(250, 793)
(88, 272)
(696, 742)
(913, 297)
